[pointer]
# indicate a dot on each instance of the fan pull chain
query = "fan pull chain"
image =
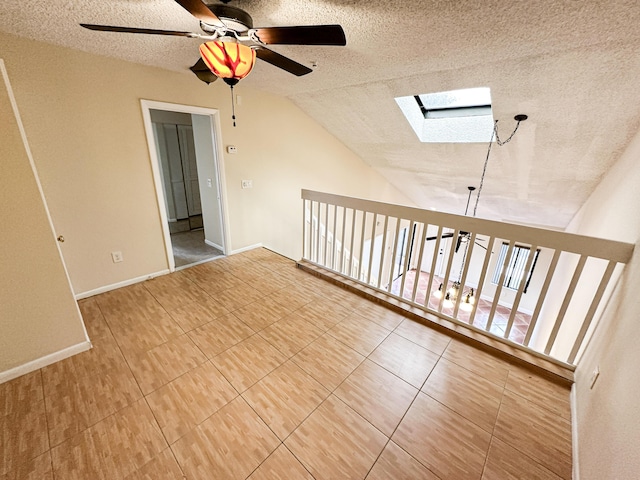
(233, 108)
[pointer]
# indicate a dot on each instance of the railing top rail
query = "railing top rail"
(580, 244)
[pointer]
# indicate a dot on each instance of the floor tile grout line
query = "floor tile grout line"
(536, 461)
(538, 404)
(166, 440)
(403, 417)
(117, 410)
(517, 447)
(281, 441)
(486, 458)
(46, 419)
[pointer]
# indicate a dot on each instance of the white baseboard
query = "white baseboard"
(34, 365)
(124, 283)
(214, 245)
(574, 433)
(246, 249)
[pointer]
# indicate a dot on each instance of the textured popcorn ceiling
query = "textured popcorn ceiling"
(573, 67)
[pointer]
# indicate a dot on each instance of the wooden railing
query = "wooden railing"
(538, 290)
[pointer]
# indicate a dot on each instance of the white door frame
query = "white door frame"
(214, 115)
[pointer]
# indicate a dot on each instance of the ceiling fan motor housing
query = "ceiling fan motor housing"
(234, 18)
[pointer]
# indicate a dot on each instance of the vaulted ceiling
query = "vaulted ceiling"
(572, 67)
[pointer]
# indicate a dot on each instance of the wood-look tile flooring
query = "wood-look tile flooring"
(247, 367)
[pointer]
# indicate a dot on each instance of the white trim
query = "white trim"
(214, 245)
(124, 283)
(41, 362)
(157, 180)
(214, 115)
(246, 249)
(23, 135)
(574, 433)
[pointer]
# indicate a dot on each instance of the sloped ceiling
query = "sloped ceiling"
(573, 67)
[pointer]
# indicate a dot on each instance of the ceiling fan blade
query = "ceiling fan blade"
(481, 246)
(444, 235)
(302, 35)
(201, 71)
(282, 62)
(149, 31)
(201, 12)
(458, 243)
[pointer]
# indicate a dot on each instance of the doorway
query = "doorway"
(184, 151)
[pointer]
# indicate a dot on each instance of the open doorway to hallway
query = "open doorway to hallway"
(183, 151)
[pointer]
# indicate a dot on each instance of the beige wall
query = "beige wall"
(608, 416)
(38, 314)
(83, 119)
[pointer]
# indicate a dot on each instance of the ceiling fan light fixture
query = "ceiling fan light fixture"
(230, 61)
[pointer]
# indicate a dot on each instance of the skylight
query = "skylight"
(457, 116)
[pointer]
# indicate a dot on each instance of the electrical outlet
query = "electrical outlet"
(247, 183)
(116, 257)
(594, 376)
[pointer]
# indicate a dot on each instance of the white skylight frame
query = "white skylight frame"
(456, 116)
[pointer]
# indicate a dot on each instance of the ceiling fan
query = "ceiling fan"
(225, 23)
(462, 237)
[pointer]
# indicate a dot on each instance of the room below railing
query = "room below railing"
(534, 289)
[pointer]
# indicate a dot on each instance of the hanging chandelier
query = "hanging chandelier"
(451, 295)
(468, 299)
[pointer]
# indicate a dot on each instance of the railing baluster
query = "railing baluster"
(432, 272)
(326, 234)
(319, 224)
(313, 225)
(503, 274)
(407, 254)
(304, 229)
(452, 253)
(344, 226)
(353, 234)
(334, 239)
(416, 278)
(523, 282)
(382, 252)
(483, 276)
(364, 223)
(372, 245)
(542, 297)
(395, 251)
(565, 303)
(592, 310)
(468, 252)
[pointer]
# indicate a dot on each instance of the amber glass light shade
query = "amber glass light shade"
(228, 60)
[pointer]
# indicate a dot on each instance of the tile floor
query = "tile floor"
(247, 367)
